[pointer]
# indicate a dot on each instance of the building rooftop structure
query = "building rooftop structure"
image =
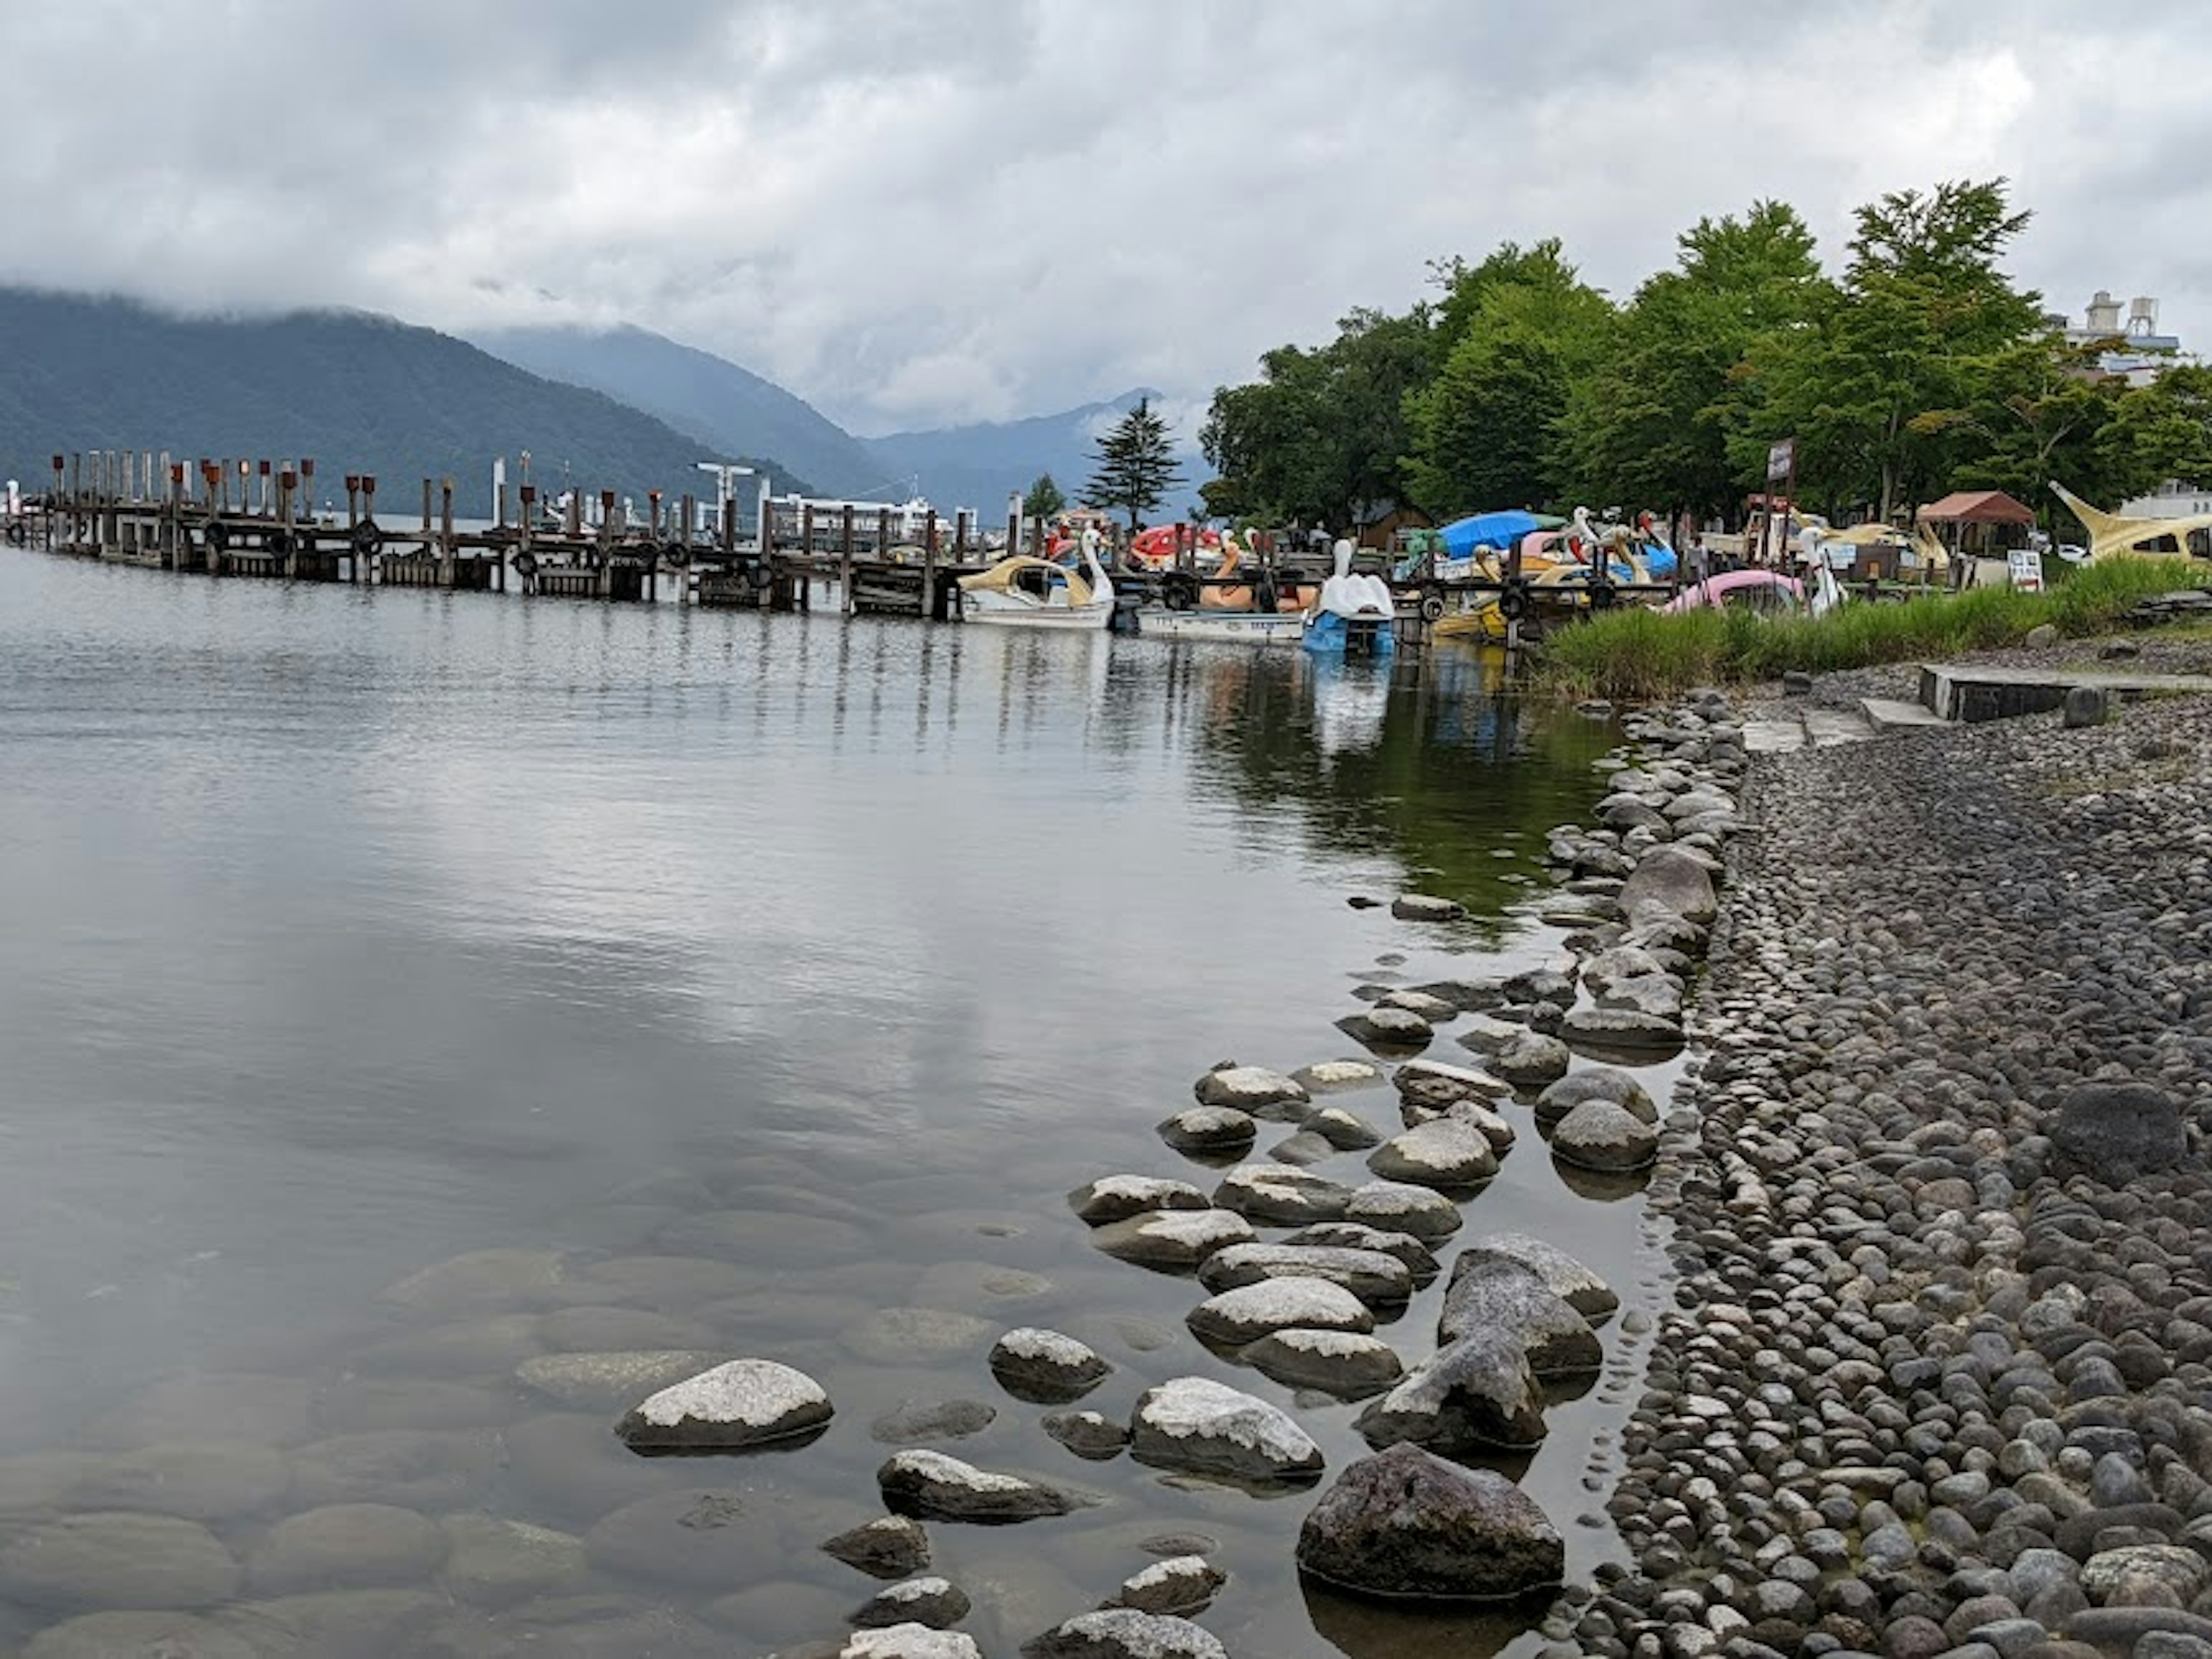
(2141, 352)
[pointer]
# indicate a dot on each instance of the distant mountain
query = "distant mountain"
(361, 393)
(729, 410)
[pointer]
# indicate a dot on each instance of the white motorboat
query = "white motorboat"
(1025, 592)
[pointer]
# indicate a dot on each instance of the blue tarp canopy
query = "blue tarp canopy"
(1498, 530)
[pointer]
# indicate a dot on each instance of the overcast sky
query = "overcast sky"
(918, 212)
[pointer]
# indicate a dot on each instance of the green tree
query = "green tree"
(1649, 426)
(1044, 500)
(1485, 432)
(1136, 466)
(2043, 410)
(2158, 432)
(1874, 383)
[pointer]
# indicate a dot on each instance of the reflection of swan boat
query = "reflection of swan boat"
(1351, 706)
(1355, 616)
(1026, 592)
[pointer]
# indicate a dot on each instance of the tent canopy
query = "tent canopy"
(1977, 506)
(1498, 530)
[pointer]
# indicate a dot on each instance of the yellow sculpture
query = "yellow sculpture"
(2110, 533)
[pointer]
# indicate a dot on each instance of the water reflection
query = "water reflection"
(739, 982)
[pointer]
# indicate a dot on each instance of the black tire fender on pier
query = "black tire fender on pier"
(675, 555)
(1433, 607)
(1513, 603)
(1265, 595)
(368, 538)
(526, 564)
(1601, 596)
(1179, 591)
(216, 535)
(17, 535)
(761, 574)
(278, 542)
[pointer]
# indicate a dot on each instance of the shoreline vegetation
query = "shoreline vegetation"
(1638, 655)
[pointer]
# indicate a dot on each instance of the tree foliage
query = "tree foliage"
(1136, 466)
(1044, 500)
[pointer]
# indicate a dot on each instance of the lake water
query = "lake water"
(347, 931)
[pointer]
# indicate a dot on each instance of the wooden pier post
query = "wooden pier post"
(845, 563)
(960, 536)
(525, 562)
(1013, 526)
(287, 481)
(609, 528)
(928, 609)
(368, 516)
(426, 509)
(174, 536)
(445, 563)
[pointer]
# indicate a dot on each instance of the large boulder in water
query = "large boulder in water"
(1194, 1423)
(1502, 1295)
(1249, 1089)
(747, 1402)
(1564, 1277)
(1599, 1135)
(1594, 1083)
(2118, 1132)
(1474, 1394)
(1668, 881)
(1405, 1524)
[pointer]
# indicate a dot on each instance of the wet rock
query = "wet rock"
(265, 1410)
(1172, 1239)
(1422, 907)
(1561, 1274)
(1474, 1393)
(484, 1281)
(1435, 1086)
(1335, 1076)
(1340, 1130)
(1249, 1089)
(746, 1402)
(931, 1485)
(1236, 1317)
(1468, 995)
(1181, 1584)
(1125, 1634)
(494, 1562)
(1628, 1029)
(2086, 705)
(1507, 1298)
(601, 1381)
(2118, 1132)
(936, 1603)
(1118, 1197)
(1044, 1366)
(909, 1642)
(1375, 1278)
(1447, 1152)
(1388, 1028)
(893, 1546)
(1668, 881)
(1420, 1264)
(1436, 1011)
(700, 1538)
(1210, 1130)
(1193, 1423)
(139, 1636)
(1531, 1059)
(1277, 1195)
(1405, 1524)
(1594, 1083)
(916, 1422)
(1301, 1151)
(1399, 1207)
(1088, 1434)
(350, 1545)
(433, 1470)
(1599, 1135)
(1347, 1364)
(927, 1336)
(117, 1561)
(199, 1480)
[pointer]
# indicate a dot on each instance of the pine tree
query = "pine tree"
(1136, 466)
(1044, 500)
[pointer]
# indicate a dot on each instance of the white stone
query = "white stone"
(909, 1642)
(1247, 1087)
(1251, 1311)
(742, 1403)
(1194, 1422)
(1126, 1632)
(1399, 1207)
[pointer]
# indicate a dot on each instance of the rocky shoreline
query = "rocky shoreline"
(1940, 1376)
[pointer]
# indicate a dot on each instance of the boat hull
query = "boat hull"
(1333, 635)
(1063, 619)
(1242, 627)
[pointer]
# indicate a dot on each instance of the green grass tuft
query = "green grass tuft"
(1636, 655)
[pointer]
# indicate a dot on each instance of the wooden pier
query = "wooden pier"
(257, 518)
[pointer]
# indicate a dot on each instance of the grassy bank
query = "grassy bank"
(1636, 655)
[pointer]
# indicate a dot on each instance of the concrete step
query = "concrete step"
(1828, 727)
(1882, 713)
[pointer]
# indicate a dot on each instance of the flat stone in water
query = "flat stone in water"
(1125, 1633)
(1182, 1584)
(1594, 1083)
(493, 1561)
(1346, 1364)
(1118, 1197)
(1335, 1076)
(746, 1402)
(934, 1487)
(117, 1562)
(1388, 1028)
(1625, 1029)
(1194, 1423)
(1301, 1151)
(139, 1636)
(1172, 1239)
(430, 1469)
(668, 1282)
(1252, 1311)
(1445, 1152)
(1046, 1367)
(1530, 1060)
(700, 1538)
(890, 1548)
(1087, 1434)
(1600, 1135)
(356, 1546)
(1341, 1131)
(199, 1480)
(1247, 1088)
(914, 1641)
(1374, 1276)
(916, 1422)
(1399, 1207)
(605, 1382)
(484, 1281)
(1436, 1011)
(1212, 1130)
(1506, 1297)
(934, 1602)
(916, 1336)
(1425, 907)
(1420, 1262)
(1564, 1277)
(1278, 1195)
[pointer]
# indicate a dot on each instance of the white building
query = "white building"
(2142, 351)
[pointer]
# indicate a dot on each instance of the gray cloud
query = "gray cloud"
(922, 210)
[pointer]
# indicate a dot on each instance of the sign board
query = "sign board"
(1780, 457)
(2026, 569)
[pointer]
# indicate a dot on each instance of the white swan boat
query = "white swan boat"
(1025, 592)
(1355, 616)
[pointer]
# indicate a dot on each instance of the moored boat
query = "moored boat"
(1355, 616)
(1026, 592)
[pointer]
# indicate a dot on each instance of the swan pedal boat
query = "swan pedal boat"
(1026, 592)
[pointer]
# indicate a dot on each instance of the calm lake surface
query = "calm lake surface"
(347, 931)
